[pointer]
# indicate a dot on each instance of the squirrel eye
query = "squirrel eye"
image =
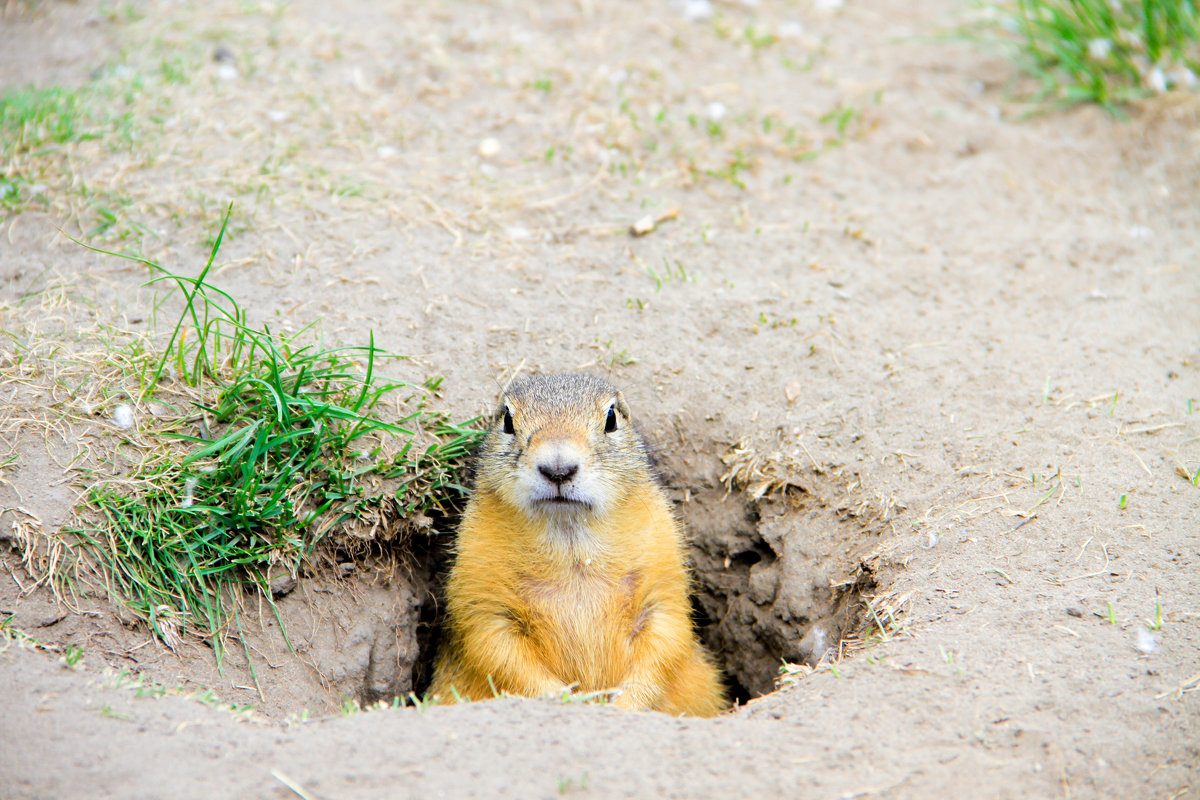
(610, 423)
(508, 426)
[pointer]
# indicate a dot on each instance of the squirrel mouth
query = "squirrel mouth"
(562, 501)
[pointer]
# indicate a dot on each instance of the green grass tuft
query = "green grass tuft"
(32, 118)
(288, 443)
(32, 121)
(42, 131)
(1110, 52)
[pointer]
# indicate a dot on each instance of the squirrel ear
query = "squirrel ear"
(508, 423)
(622, 407)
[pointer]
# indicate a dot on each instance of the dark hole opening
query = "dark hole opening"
(434, 554)
(737, 692)
(747, 558)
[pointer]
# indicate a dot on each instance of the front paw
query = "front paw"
(633, 696)
(556, 691)
(625, 700)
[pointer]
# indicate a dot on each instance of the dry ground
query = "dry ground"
(968, 340)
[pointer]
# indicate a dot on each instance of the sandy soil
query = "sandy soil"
(955, 349)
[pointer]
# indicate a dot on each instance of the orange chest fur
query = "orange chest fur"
(582, 622)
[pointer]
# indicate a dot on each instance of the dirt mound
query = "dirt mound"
(779, 580)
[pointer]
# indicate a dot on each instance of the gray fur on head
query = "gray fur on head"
(555, 390)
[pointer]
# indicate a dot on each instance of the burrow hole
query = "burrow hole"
(776, 580)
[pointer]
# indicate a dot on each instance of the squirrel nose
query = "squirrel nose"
(559, 472)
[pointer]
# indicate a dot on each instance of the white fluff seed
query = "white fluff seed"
(123, 416)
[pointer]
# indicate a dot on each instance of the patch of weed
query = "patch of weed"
(9, 634)
(109, 713)
(758, 38)
(842, 117)
(40, 128)
(951, 658)
(671, 272)
(73, 656)
(739, 162)
(33, 118)
(1109, 52)
(792, 674)
(32, 122)
(112, 221)
(1156, 623)
(423, 704)
(288, 442)
(569, 784)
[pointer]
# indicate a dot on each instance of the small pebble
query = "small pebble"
(489, 148)
(1182, 77)
(1099, 49)
(697, 9)
(791, 30)
(1147, 642)
(1074, 612)
(282, 586)
(643, 226)
(223, 55)
(227, 72)
(1156, 79)
(717, 111)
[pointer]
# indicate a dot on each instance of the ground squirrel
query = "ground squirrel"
(569, 566)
